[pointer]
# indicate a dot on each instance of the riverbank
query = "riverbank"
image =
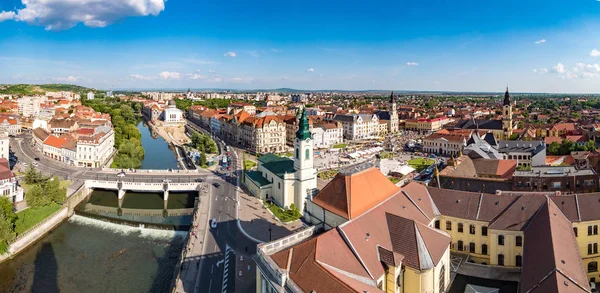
(159, 154)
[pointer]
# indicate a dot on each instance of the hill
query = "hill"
(32, 89)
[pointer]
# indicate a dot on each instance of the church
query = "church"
(501, 129)
(283, 180)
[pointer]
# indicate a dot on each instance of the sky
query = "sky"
(442, 45)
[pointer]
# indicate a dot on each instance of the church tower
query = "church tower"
(507, 123)
(393, 127)
(306, 175)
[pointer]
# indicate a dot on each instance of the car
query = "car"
(199, 180)
(34, 164)
(121, 174)
(213, 223)
(24, 164)
(216, 184)
(37, 159)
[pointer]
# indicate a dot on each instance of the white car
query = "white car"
(213, 223)
(34, 164)
(121, 174)
(24, 164)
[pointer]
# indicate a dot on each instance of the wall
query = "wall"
(509, 249)
(466, 237)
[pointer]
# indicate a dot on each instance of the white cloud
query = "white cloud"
(241, 79)
(215, 79)
(541, 70)
(211, 71)
(412, 64)
(141, 77)
(540, 41)
(6, 15)
(310, 70)
(595, 53)
(230, 54)
(559, 68)
(170, 75)
(65, 14)
(68, 79)
(195, 76)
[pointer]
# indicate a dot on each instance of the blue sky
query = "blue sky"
(534, 46)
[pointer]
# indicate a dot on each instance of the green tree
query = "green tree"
(554, 148)
(7, 209)
(35, 197)
(202, 159)
(590, 146)
(7, 233)
(54, 192)
(32, 176)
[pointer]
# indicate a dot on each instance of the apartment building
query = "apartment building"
(29, 106)
(358, 126)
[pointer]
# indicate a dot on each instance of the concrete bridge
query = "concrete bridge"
(123, 186)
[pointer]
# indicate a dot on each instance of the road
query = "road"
(225, 265)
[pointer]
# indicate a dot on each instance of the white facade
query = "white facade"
(10, 189)
(90, 96)
(94, 153)
(171, 114)
(11, 126)
(327, 137)
(29, 106)
(4, 146)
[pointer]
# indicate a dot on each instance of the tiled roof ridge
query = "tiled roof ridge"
(546, 205)
(348, 192)
(364, 280)
(349, 243)
(570, 279)
(416, 205)
(289, 261)
(436, 211)
(479, 206)
(498, 215)
(577, 206)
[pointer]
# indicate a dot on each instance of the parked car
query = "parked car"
(213, 223)
(24, 164)
(199, 180)
(121, 174)
(216, 184)
(37, 159)
(34, 164)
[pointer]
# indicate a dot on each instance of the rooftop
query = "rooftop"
(277, 165)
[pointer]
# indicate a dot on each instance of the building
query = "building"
(446, 143)
(401, 240)
(390, 116)
(29, 106)
(235, 108)
(527, 153)
(96, 150)
(8, 183)
(4, 146)
(424, 125)
(327, 135)
(171, 114)
(285, 181)
(507, 122)
(566, 179)
(90, 95)
(358, 126)
(12, 126)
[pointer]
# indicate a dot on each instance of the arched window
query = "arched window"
(307, 154)
(500, 259)
(592, 267)
(500, 239)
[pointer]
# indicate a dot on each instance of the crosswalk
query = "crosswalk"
(228, 270)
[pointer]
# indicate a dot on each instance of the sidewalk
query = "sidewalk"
(256, 220)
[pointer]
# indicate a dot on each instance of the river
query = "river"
(87, 255)
(157, 154)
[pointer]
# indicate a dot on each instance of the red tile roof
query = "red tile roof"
(54, 141)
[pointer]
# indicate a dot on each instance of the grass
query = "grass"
(249, 164)
(326, 175)
(394, 179)
(30, 217)
(420, 163)
(340, 146)
(63, 183)
(283, 215)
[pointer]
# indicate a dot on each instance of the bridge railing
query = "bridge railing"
(150, 171)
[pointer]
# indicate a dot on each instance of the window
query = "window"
(472, 247)
(590, 249)
(483, 231)
(460, 227)
(500, 259)
(472, 229)
(484, 249)
(592, 267)
(595, 248)
(460, 245)
(448, 225)
(442, 279)
(590, 230)
(519, 240)
(519, 260)
(297, 154)
(279, 185)
(307, 154)
(575, 231)
(437, 224)
(556, 184)
(500, 239)
(595, 229)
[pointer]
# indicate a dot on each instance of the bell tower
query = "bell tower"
(306, 175)
(507, 123)
(393, 127)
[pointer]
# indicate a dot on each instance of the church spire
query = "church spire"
(392, 98)
(506, 97)
(303, 128)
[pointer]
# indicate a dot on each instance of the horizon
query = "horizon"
(470, 46)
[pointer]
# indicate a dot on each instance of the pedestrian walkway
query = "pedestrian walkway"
(190, 264)
(256, 220)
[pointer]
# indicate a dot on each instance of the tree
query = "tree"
(202, 159)
(7, 233)
(7, 209)
(32, 176)
(590, 146)
(54, 192)
(554, 148)
(513, 136)
(35, 197)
